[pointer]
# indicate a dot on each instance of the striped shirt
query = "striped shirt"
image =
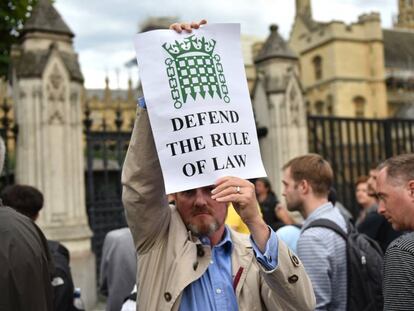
(399, 274)
(323, 253)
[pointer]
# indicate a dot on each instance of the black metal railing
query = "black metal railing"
(354, 145)
(8, 131)
(105, 152)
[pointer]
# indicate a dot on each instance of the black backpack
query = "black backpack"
(364, 265)
(62, 278)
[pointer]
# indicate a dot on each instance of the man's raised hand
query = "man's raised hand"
(188, 27)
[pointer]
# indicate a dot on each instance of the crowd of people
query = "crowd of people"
(228, 246)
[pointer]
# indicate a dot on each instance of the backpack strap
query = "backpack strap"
(299, 226)
(329, 224)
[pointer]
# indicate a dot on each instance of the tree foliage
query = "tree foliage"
(13, 14)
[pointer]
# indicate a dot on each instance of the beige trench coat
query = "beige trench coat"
(169, 258)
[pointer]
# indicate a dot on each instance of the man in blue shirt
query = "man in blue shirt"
(188, 258)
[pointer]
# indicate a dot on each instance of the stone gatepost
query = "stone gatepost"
(47, 84)
(279, 106)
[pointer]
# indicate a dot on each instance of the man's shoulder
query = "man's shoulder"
(18, 226)
(334, 215)
(322, 237)
(404, 243)
(118, 234)
(9, 217)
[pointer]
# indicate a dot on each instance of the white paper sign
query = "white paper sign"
(199, 106)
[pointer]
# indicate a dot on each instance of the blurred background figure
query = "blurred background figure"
(25, 261)
(364, 200)
(130, 303)
(268, 201)
(333, 198)
(283, 215)
(28, 201)
(375, 225)
(234, 221)
(289, 232)
(26, 265)
(290, 235)
(118, 268)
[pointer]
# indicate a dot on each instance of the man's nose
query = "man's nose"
(201, 198)
(381, 208)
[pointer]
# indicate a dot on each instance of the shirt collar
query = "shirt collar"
(225, 243)
(317, 213)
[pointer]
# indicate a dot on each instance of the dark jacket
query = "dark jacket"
(62, 282)
(378, 228)
(25, 264)
(268, 211)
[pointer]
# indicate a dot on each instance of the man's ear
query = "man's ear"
(304, 186)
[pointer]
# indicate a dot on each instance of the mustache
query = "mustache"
(201, 210)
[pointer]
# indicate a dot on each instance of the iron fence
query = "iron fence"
(105, 152)
(8, 131)
(354, 145)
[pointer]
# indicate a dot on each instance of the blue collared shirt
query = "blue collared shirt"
(323, 254)
(214, 290)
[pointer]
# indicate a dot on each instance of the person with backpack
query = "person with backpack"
(307, 180)
(344, 266)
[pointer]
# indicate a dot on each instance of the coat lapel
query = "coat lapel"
(241, 259)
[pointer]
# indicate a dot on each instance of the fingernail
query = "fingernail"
(213, 191)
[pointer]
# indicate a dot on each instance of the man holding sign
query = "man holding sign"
(188, 258)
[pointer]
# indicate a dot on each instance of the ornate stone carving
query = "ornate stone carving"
(294, 106)
(74, 97)
(22, 94)
(37, 92)
(56, 94)
(55, 78)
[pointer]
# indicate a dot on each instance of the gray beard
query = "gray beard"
(213, 227)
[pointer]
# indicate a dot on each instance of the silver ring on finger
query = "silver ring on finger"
(238, 189)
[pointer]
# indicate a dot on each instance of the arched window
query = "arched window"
(329, 105)
(359, 103)
(317, 67)
(320, 108)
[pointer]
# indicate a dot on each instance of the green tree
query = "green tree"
(13, 14)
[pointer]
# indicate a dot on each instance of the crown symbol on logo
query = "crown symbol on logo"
(190, 44)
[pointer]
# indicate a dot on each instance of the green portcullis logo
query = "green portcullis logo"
(193, 69)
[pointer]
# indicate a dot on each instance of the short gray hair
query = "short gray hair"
(400, 168)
